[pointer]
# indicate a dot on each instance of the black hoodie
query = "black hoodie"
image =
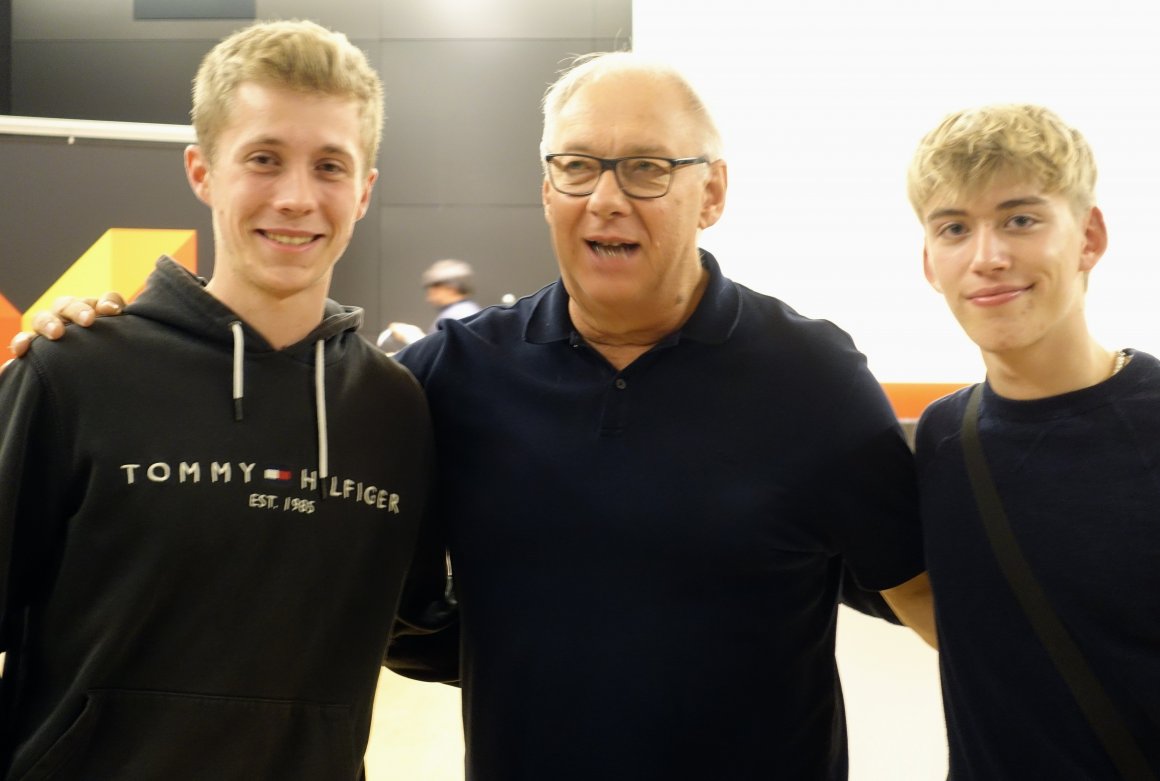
(203, 542)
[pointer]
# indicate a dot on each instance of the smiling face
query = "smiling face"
(286, 184)
(626, 260)
(1011, 261)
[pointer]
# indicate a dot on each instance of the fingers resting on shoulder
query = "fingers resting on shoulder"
(66, 309)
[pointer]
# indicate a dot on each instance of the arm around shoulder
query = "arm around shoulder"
(425, 638)
(67, 309)
(424, 642)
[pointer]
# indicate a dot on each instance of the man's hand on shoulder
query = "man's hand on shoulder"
(66, 309)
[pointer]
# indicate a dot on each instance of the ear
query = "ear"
(364, 200)
(545, 193)
(715, 186)
(197, 173)
(1095, 239)
(928, 270)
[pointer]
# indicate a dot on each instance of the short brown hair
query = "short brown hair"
(299, 55)
(970, 148)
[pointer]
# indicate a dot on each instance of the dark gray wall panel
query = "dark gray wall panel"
(193, 9)
(88, 20)
(507, 245)
(356, 18)
(113, 19)
(5, 57)
(60, 198)
(71, 79)
(463, 120)
(505, 19)
(359, 272)
(125, 81)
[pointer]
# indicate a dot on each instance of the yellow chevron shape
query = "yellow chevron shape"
(119, 260)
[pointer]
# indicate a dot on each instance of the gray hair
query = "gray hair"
(589, 68)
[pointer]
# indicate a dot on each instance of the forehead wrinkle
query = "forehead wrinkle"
(635, 151)
(594, 120)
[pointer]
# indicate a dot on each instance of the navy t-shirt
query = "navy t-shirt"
(1077, 475)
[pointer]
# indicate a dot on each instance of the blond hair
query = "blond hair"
(589, 68)
(970, 149)
(297, 55)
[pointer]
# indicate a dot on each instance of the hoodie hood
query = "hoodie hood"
(178, 298)
(209, 319)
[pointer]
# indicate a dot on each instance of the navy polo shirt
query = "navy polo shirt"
(648, 560)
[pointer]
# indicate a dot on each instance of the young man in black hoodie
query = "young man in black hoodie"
(207, 511)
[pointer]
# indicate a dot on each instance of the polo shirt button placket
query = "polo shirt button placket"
(614, 415)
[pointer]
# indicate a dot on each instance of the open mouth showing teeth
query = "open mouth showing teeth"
(282, 238)
(612, 250)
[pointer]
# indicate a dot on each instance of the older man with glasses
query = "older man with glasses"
(654, 477)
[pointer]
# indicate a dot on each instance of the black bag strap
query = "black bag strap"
(1097, 707)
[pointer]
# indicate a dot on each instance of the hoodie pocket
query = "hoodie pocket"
(130, 735)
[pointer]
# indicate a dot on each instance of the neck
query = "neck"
(1038, 374)
(623, 334)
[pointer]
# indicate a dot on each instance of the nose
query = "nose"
(295, 191)
(990, 251)
(607, 199)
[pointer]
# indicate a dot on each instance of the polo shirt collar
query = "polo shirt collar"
(711, 323)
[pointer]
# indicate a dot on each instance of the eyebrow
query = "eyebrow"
(1011, 203)
(329, 149)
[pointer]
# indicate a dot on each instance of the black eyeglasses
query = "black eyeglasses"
(637, 177)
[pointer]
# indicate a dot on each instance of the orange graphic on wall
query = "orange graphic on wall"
(119, 260)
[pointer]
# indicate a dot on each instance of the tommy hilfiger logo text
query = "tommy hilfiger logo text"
(228, 472)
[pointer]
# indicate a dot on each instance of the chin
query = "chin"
(998, 345)
(292, 282)
(629, 301)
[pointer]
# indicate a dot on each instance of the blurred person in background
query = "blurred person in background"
(449, 286)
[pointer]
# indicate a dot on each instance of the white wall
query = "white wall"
(821, 105)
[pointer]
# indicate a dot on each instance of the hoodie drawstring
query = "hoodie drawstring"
(319, 396)
(239, 353)
(320, 405)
